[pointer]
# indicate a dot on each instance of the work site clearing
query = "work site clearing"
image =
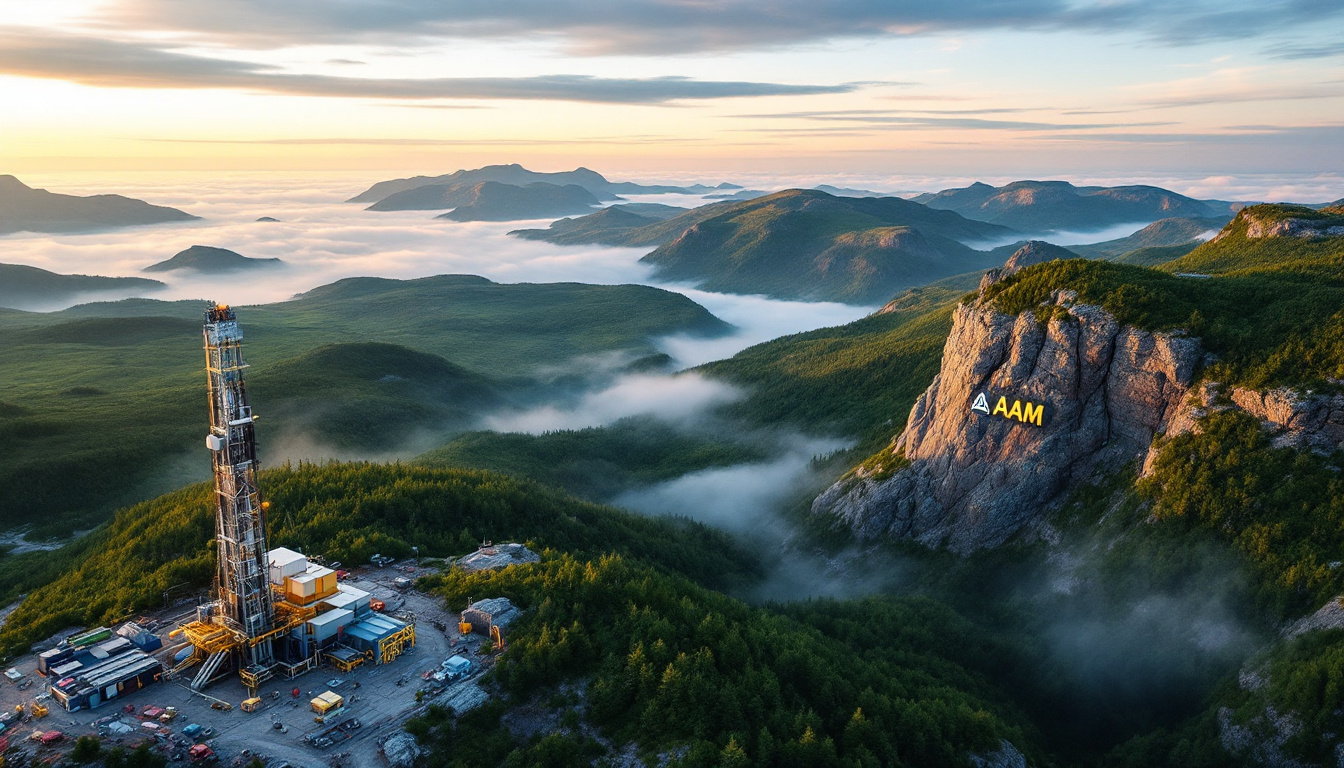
(283, 729)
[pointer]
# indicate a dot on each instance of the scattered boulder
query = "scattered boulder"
(494, 556)
(461, 698)
(401, 750)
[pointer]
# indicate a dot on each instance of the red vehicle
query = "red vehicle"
(200, 752)
(151, 713)
(342, 575)
(51, 737)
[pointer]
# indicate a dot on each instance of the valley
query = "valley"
(1087, 581)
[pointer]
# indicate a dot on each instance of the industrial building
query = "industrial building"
(94, 667)
(275, 612)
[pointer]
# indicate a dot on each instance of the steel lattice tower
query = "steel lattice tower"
(243, 582)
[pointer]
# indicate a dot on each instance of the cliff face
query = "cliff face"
(970, 477)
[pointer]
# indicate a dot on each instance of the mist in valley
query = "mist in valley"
(1101, 639)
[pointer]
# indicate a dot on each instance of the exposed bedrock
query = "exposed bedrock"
(968, 478)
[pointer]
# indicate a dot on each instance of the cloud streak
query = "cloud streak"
(674, 399)
(646, 27)
(118, 64)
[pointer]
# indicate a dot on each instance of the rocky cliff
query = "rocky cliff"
(1019, 411)
(1302, 421)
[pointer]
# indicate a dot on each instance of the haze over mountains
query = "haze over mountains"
(23, 208)
(23, 287)
(517, 175)
(1033, 635)
(492, 201)
(1041, 206)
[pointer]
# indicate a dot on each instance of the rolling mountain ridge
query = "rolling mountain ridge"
(1043, 206)
(23, 208)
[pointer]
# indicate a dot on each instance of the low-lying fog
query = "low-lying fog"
(322, 239)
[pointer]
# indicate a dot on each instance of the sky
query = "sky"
(999, 88)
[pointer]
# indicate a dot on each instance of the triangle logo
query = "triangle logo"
(981, 404)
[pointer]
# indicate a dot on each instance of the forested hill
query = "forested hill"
(619, 606)
(428, 350)
(347, 512)
(806, 244)
(1242, 496)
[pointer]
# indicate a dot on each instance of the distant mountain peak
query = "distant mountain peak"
(1053, 205)
(209, 259)
(25, 209)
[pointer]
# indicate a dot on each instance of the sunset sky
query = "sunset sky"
(999, 86)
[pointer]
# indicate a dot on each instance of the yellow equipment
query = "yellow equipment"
(38, 709)
(326, 702)
(252, 704)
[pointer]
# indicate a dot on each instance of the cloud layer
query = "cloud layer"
(645, 27)
(118, 64)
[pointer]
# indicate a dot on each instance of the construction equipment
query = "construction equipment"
(207, 671)
(252, 704)
(324, 703)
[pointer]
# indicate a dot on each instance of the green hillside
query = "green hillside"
(1317, 251)
(369, 396)
(858, 379)
(620, 605)
(596, 463)
(1224, 515)
(347, 512)
(23, 287)
(1165, 233)
(1151, 256)
(806, 244)
(1267, 327)
(624, 225)
(671, 666)
(71, 379)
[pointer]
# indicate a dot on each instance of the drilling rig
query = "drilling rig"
(273, 611)
(238, 626)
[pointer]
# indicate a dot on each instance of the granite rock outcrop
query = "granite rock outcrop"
(969, 478)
